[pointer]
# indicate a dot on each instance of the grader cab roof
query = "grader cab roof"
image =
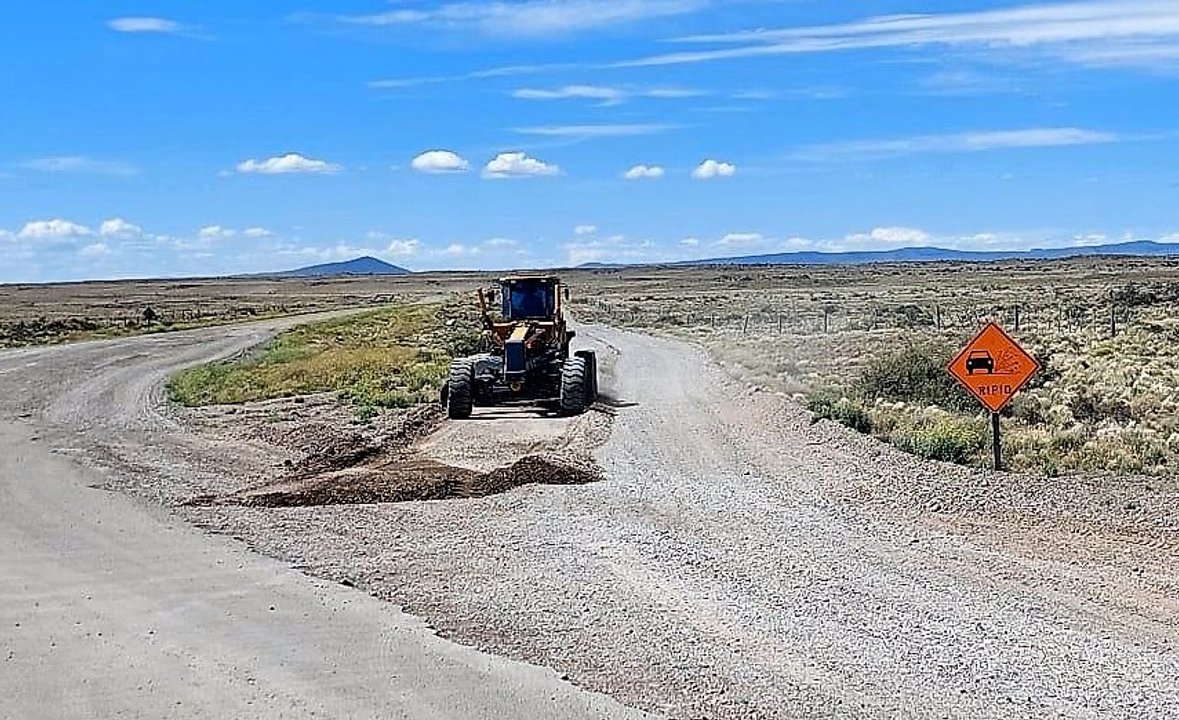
(524, 278)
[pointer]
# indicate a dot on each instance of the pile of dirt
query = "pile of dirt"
(407, 480)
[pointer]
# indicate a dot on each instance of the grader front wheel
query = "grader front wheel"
(460, 390)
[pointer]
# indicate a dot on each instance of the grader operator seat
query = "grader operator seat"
(529, 299)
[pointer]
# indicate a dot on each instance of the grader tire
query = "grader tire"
(460, 393)
(591, 375)
(574, 386)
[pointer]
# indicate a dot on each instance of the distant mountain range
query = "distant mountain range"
(1141, 248)
(360, 266)
(934, 254)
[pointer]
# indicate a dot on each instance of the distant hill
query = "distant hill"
(933, 254)
(360, 266)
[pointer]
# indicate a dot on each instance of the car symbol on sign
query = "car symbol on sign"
(980, 360)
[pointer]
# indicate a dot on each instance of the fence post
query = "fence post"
(779, 323)
(745, 325)
(1113, 317)
(826, 319)
(938, 312)
(1016, 318)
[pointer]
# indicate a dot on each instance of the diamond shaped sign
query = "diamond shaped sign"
(993, 367)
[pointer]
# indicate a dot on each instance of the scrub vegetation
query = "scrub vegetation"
(868, 346)
(388, 358)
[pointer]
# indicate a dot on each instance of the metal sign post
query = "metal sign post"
(998, 447)
(993, 368)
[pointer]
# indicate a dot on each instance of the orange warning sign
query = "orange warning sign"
(993, 367)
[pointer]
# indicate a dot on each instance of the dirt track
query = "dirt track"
(736, 562)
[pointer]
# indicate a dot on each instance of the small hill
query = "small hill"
(359, 266)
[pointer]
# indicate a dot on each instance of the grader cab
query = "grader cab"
(528, 361)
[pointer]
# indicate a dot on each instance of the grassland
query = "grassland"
(67, 312)
(867, 346)
(391, 357)
(1105, 329)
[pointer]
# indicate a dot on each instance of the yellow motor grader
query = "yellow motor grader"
(528, 361)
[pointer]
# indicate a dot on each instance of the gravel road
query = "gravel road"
(112, 607)
(737, 562)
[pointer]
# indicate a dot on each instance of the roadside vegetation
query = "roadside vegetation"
(867, 347)
(388, 358)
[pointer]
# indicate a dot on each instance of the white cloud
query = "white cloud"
(437, 162)
(143, 25)
(257, 232)
(120, 229)
(690, 242)
(892, 237)
(289, 163)
(1136, 32)
(603, 94)
(501, 243)
(505, 71)
(216, 232)
(530, 18)
(457, 250)
(956, 143)
(638, 172)
(616, 248)
(742, 239)
(79, 164)
(585, 230)
(95, 250)
(403, 248)
(713, 169)
(580, 92)
(585, 132)
(52, 230)
(517, 164)
(671, 93)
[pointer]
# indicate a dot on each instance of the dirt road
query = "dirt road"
(737, 562)
(110, 607)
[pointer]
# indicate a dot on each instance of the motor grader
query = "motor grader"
(527, 361)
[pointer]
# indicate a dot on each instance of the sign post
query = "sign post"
(993, 368)
(997, 444)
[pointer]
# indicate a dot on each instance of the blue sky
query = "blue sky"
(145, 139)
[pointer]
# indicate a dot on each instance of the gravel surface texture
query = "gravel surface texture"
(735, 561)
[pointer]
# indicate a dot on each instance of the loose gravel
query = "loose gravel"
(737, 561)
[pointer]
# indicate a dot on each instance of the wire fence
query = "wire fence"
(1106, 319)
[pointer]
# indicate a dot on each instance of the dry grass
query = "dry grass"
(66, 312)
(1107, 402)
(392, 357)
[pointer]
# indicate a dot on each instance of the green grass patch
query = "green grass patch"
(949, 439)
(392, 357)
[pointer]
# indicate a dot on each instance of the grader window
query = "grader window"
(529, 301)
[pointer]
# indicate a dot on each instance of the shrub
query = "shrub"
(915, 374)
(947, 439)
(843, 411)
(1089, 406)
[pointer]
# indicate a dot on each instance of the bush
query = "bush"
(843, 411)
(916, 374)
(1089, 406)
(947, 439)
